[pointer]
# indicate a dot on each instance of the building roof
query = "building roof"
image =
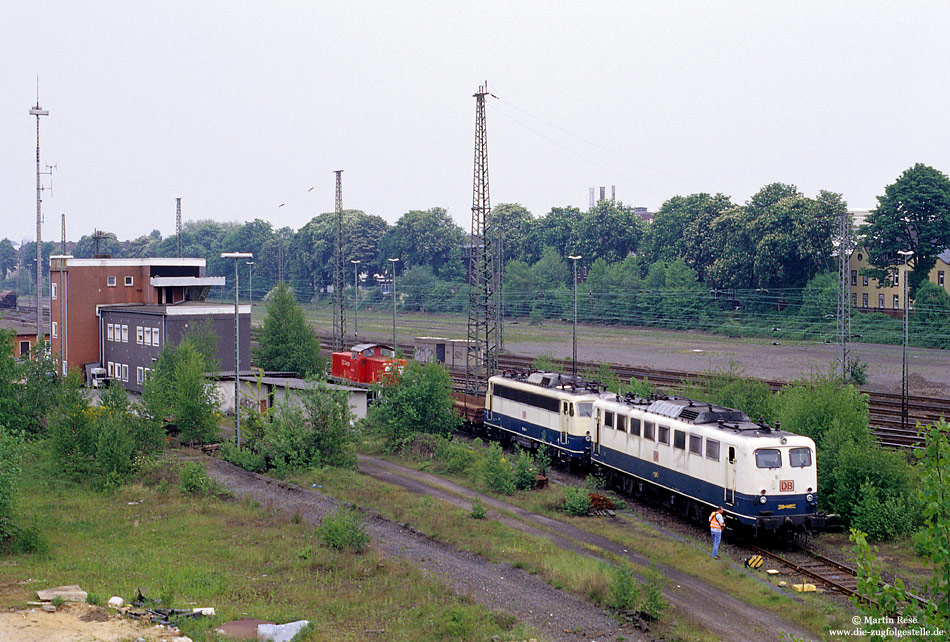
(21, 328)
(185, 281)
(293, 383)
(185, 308)
(71, 261)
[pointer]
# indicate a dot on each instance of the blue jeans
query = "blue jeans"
(717, 536)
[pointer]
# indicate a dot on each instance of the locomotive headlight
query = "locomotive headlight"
(809, 498)
(763, 499)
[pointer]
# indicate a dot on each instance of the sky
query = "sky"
(245, 109)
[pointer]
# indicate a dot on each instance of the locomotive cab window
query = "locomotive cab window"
(622, 423)
(696, 444)
(732, 454)
(570, 409)
(679, 439)
(634, 427)
(663, 435)
(768, 458)
(648, 430)
(608, 419)
(712, 449)
(585, 409)
(799, 457)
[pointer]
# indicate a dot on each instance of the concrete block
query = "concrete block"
(116, 602)
(71, 593)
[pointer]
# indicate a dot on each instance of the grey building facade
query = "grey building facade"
(133, 335)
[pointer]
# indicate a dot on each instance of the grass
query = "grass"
(237, 556)
(569, 570)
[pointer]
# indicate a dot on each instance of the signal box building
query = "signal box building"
(103, 309)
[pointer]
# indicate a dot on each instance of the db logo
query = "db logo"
(786, 485)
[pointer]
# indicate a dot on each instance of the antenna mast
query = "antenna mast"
(62, 247)
(339, 318)
(482, 353)
(178, 229)
(39, 111)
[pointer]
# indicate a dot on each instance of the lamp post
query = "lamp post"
(393, 261)
(237, 345)
(356, 293)
(575, 258)
(250, 285)
(906, 254)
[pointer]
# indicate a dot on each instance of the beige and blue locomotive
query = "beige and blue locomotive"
(699, 455)
(542, 408)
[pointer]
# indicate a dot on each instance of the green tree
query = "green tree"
(311, 255)
(913, 214)
(286, 342)
(876, 599)
(610, 231)
(419, 401)
(679, 230)
(177, 392)
(931, 311)
(512, 224)
(556, 229)
(422, 238)
(108, 244)
(8, 258)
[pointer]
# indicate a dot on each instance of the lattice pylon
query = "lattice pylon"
(339, 311)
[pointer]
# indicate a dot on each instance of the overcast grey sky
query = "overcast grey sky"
(239, 107)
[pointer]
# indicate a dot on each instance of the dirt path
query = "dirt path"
(721, 614)
(557, 615)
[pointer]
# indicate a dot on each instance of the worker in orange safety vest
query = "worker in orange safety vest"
(716, 523)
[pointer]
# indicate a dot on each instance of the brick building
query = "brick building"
(102, 310)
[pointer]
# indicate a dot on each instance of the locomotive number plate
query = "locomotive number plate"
(524, 414)
(656, 455)
(786, 485)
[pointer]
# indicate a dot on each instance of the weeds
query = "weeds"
(344, 530)
(194, 480)
(478, 510)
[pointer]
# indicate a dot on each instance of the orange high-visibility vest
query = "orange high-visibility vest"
(715, 524)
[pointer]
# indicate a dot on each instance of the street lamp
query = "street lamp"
(237, 352)
(574, 360)
(356, 293)
(393, 261)
(906, 254)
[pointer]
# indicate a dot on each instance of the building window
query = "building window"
(880, 301)
(154, 336)
(147, 371)
(52, 290)
(864, 280)
(125, 332)
(139, 334)
(110, 333)
(139, 375)
(897, 277)
(854, 299)
(897, 303)
(864, 300)
(111, 369)
(128, 281)
(125, 372)
(55, 329)
(940, 278)
(110, 281)
(854, 277)
(148, 336)
(65, 369)
(24, 348)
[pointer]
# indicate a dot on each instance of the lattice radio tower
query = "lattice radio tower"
(62, 245)
(482, 354)
(844, 297)
(339, 318)
(178, 228)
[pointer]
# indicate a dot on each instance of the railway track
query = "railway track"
(818, 568)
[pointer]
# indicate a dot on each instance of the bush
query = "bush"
(418, 401)
(496, 472)
(576, 500)
(893, 482)
(243, 457)
(194, 480)
(526, 474)
(624, 590)
(30, 541)
(344, 530)
(454, 457)
(10, 454)
(478, 509)
(654, 604)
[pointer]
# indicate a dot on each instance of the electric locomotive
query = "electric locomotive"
(701, 455)
(546, 408)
